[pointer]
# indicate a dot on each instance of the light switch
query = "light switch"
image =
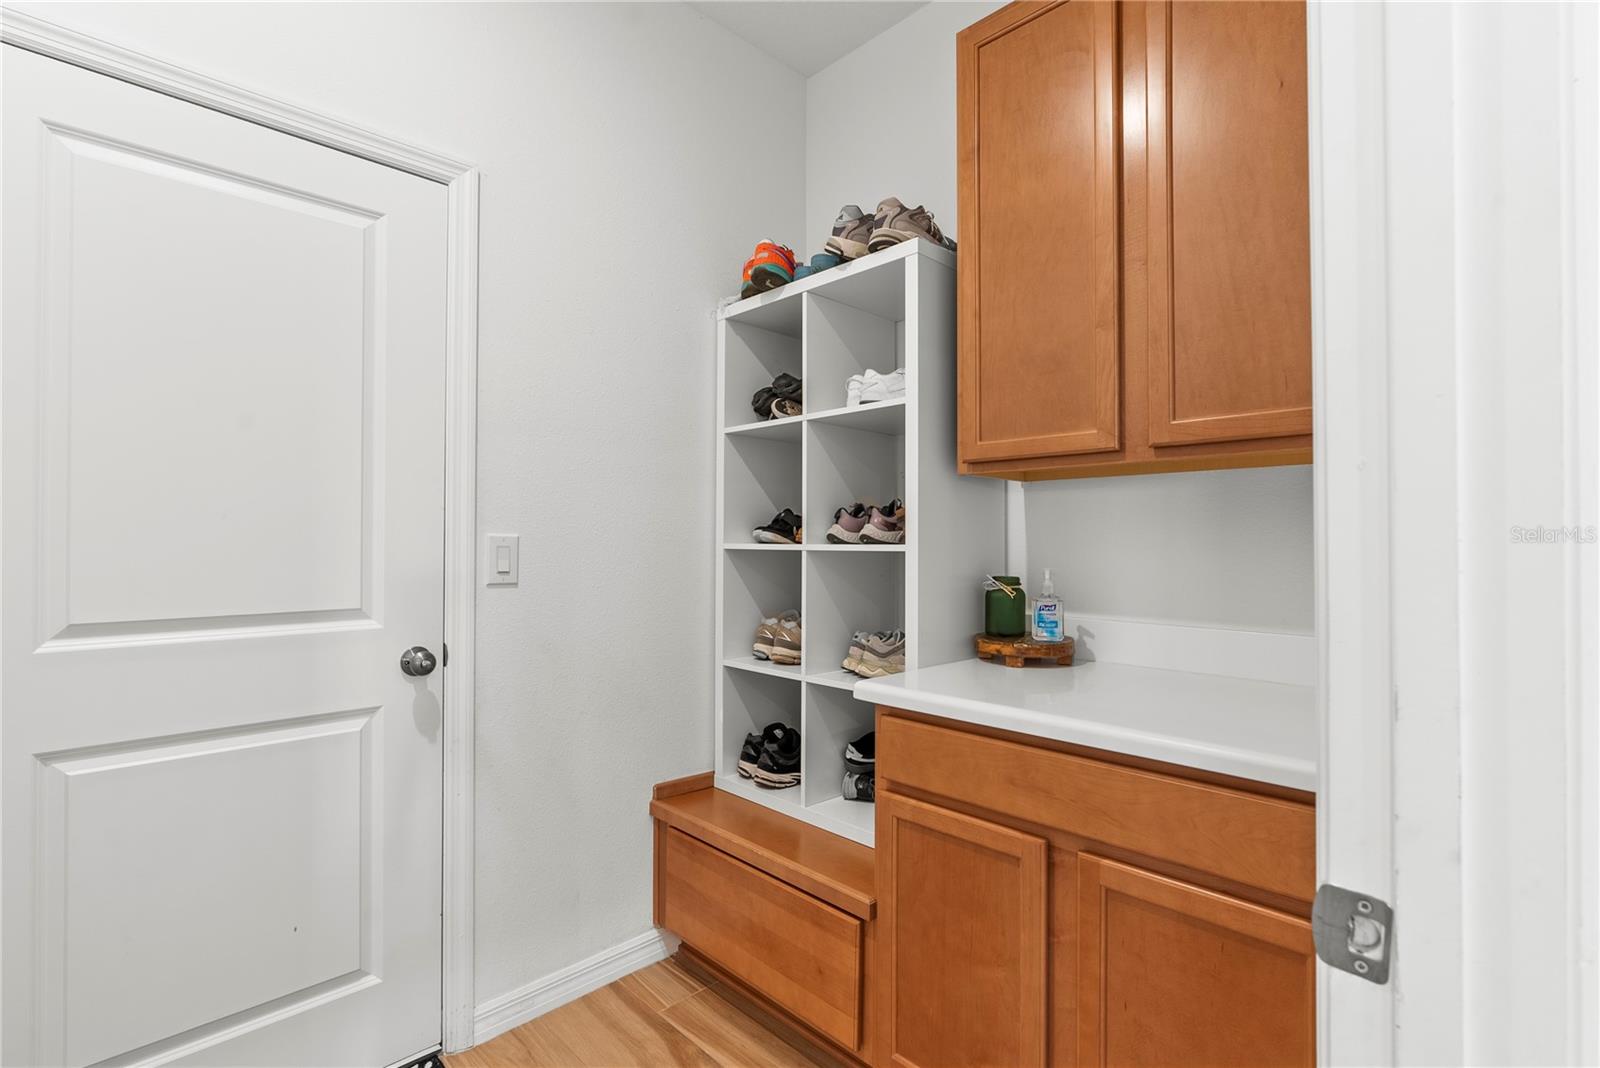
(500, 560)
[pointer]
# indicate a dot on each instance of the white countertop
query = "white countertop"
(1265, 731)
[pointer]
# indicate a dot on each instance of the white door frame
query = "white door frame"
(1453, 173)
(1350, 492)
(461, 425)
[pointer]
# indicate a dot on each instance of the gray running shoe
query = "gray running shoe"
(895, 223)
(850, 233)
(878, 654)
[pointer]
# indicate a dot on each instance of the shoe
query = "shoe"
(767, 633)
(873, 387)
(852, 390)
(858, 786)
(788, 387)
(847, 524)
(785, 529)
(850, 233)
(786, 634)
(779, 763)
(750, 753)
(769, 266)
(822, 261)
(886, 525)
(779, 400)
(894, 223)
(861, 754)
(880, 653)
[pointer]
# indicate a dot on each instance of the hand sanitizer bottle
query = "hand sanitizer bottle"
(1046, 615)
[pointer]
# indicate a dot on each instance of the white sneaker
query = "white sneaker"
(852, 389)
(876, 387)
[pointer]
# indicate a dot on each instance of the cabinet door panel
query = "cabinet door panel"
(1171, 973)
(1229, 343)
(963, 902)
(1037, 154)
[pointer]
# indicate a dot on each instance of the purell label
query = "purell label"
(1047, 622)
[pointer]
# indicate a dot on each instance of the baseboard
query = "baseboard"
(501, 1014)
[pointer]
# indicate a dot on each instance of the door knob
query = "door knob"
(417, 661)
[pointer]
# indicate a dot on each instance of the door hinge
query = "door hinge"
(1353, 932)
(444, 661)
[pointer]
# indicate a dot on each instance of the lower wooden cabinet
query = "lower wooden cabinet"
(967, 932)
(1044, 905)
(1172, 973)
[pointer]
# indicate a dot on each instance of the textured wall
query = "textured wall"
(617, 209)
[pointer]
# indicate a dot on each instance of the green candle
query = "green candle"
(1005, 607)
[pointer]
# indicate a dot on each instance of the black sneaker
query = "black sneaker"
(782, 399)
(779, 765)
(787, 386)
(784, 529)
(862, 754)
(858, 786)
(750, 753)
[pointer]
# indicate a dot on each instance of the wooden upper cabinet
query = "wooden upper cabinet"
(1134, 290)
(1037, 143)
(963, 906)
(1228, 221)
(1172, 973)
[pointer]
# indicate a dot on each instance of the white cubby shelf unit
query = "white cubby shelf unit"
(894, 308)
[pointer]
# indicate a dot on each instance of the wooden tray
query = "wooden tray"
(1015, 652)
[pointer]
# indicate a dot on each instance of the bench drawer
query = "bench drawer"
(802, 953)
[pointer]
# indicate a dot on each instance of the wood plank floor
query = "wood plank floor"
(659, 1017)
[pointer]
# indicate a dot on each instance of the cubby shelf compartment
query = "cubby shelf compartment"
(879, 417)
(892, 309)
(777, 429)
(763, 667)
(838, 680)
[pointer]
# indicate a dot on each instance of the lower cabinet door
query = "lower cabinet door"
(962, 901)
(1171, 973)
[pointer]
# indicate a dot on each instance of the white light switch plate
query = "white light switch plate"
(500, 560)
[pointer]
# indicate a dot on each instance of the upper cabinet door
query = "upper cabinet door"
(1228, 231)
(1037, 160)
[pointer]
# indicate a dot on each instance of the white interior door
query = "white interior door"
(221, 524)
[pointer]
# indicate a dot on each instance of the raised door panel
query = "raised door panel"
(1172, 973)
(1227, 167)
(1037, 155)
(963, 904)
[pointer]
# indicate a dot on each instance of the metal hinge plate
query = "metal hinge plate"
(1353, 932)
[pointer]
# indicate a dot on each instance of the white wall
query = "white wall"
(881, 121)
(1210, 548)
(616, 211)
(1227, 549)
